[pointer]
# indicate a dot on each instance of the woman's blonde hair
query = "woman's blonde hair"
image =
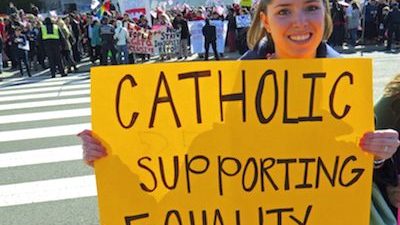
(392, 89)
(256, 31)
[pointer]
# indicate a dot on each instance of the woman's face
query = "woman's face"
(296, 26)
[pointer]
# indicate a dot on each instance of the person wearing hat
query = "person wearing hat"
(51, 39)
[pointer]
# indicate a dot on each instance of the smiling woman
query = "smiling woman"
(292, 29)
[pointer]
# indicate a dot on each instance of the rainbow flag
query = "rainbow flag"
(105, 7)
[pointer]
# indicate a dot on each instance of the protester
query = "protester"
(393, 23)
(353, 22)
(22, 51)
(11, 9)
(231, 33)
(338, 19)
(66, 48)
(107, 32)
(180, 23)
(210, 38)
(95, 42)
(32, 38)
(370, 16)
(73, 21)
(121, 37)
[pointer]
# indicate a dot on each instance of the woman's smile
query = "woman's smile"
(300, 38)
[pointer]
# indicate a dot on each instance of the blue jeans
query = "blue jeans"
(123, 55)
(353, 36)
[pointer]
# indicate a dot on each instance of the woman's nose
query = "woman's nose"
(300, 19)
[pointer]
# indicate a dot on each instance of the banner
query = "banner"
(243, 21)
(197, 38)
(234, 142)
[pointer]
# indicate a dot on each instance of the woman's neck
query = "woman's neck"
(279, 54)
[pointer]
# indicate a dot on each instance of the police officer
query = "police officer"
(52, 40)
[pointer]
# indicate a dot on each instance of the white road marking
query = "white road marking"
(47, 190)
(44, 89)
(43, 132)
(27, 117)
(35, 104)
(33, 157)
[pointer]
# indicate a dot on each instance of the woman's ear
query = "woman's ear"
(264, 22)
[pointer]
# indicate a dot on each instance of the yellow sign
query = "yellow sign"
(234, 143)
(246, 3)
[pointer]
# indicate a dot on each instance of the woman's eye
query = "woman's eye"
(283, 12)
(312, 8)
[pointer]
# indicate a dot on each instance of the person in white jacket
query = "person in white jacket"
(121, 37)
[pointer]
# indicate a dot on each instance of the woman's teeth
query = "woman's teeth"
(300, 37)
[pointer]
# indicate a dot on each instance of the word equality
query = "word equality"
(338, 112)
(276, 216)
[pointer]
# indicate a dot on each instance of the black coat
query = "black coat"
(210, 33)
(183, 25)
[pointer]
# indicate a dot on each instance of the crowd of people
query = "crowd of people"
(84, 34)
(61, 42)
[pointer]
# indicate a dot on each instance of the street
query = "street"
(43, 180)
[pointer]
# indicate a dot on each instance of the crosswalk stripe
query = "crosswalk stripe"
(44, 115)
(30, 97)
(42, 132)
(32, 157)
(33, 104)
(45, 89)
(31, 84)
(47, 190)
(44, 95)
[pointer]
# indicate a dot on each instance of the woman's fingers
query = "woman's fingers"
(92, 148)
(382, 143)
(394, 195)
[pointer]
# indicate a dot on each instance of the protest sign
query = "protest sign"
(166, 40)
(243, 21)
(159, 40)
(241, 142)
(197, 38)
(141, 41)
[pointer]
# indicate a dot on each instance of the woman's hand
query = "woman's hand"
(92, 148)
(381, 143)
(393, 195)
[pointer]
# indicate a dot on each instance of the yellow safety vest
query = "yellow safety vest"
(46, 36)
